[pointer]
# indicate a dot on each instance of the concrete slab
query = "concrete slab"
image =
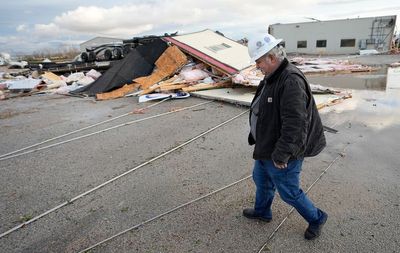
(393, 78)
(244, 96)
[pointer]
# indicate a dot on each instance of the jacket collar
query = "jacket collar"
(277, 72)
(269, 78)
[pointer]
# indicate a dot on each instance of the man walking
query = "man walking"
(285, 127)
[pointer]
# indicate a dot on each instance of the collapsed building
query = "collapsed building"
(172, 64)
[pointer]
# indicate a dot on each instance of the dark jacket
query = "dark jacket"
(288, 125)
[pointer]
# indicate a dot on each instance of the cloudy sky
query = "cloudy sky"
(35, 25)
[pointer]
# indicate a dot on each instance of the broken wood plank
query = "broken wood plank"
(150, 90)
(171, 80)
(205, 86)
(334, 102)
(118, 92)
(169, 62)
(51, 76)
(173, 87)
(160, 86)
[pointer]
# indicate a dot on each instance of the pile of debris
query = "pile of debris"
(315, 65)
(395, 64)
(191, 62)
(5, 59)
(251, 76)
(168, 65)
(48, 82)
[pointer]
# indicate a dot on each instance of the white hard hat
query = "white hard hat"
(261, 44)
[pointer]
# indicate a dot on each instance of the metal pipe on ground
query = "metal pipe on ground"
(201, 198)
(119, 176)
(81, 129)
(102, 131)
(165, 213)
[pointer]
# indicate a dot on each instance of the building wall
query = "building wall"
(97, 41)
(334, 31)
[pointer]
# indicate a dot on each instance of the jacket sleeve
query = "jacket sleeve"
(250, 139)
(294, 120)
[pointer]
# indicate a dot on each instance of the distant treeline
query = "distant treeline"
(51, 54)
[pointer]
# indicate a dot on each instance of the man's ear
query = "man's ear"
(272, 58)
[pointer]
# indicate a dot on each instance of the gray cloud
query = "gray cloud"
(76, 22)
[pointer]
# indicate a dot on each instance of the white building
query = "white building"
(97, 41)
(344, 36)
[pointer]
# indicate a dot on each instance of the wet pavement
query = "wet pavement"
(363, 81)
(376, 97)
(361, 191)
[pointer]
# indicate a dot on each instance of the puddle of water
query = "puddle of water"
(361, 81)
(376, 98)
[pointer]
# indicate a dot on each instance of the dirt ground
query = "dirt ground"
(359, 191)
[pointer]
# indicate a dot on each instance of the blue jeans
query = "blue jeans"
(268, 178)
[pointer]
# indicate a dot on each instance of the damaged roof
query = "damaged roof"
(214, 49)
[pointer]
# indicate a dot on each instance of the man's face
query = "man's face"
(266, 64)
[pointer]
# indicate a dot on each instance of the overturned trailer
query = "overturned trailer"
(106, 52)
(115, 50)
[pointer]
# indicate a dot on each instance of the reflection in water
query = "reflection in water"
(360, 81)
(377, 105)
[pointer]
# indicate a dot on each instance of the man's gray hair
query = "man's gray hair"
(278, 52)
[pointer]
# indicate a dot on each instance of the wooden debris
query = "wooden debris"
(334, 102)
(172, 87)
(161, 87)
(206, 86)
(149, 90)
(51, 76)
(168, 63)
(118, 92)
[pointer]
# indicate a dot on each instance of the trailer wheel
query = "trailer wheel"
(92, 56)
(84, 57)
(127, 49)
(108, 55)
(118, 53)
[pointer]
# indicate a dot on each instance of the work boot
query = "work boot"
(251, 214)
(314, 230)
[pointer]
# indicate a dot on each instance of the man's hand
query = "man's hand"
(280, 165)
